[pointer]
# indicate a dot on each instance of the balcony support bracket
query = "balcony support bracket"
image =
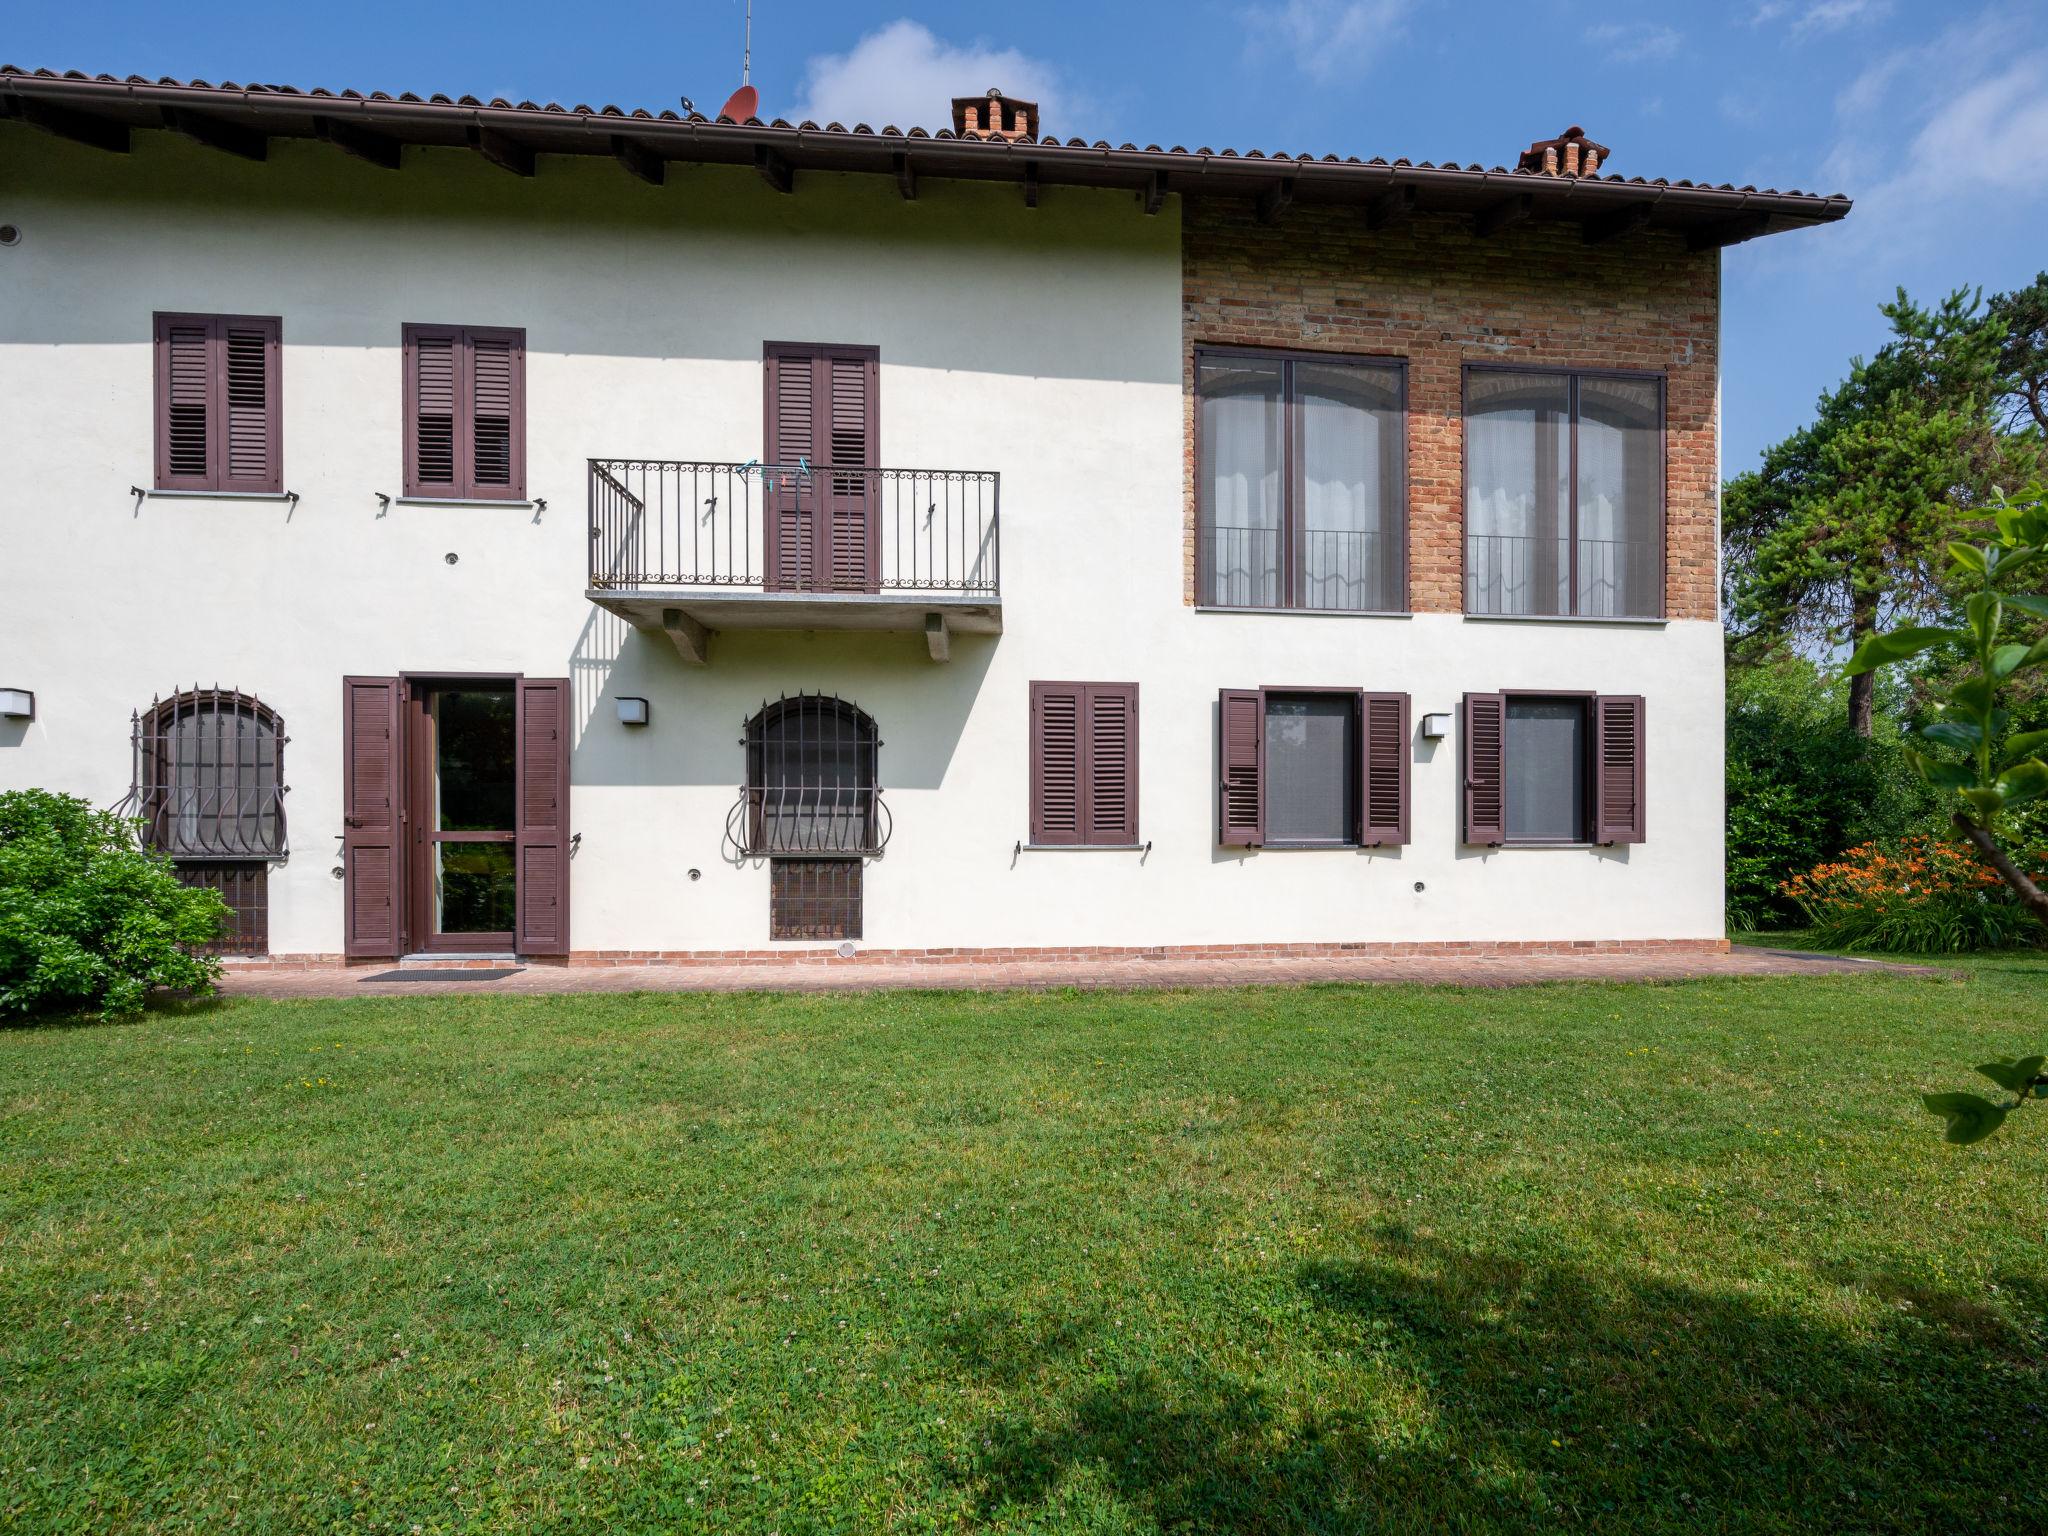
(691, 639)
(937, 638)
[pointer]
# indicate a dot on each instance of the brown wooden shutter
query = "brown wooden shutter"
(1384, 753)
(372, 847)
(433, 361)
(185, 402)
(541, 818)
(1111, 715)
(1241, 760)
(1056, 730)
(791, 438)
(847, 389)
(250, 356)
(1485, 768)
(495, 440)
(1618, 768)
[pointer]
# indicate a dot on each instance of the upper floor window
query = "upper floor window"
(1564, 494)
(465, 412)
(1300, 481)
(219, 426)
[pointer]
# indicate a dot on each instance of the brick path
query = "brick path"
(1133, 971)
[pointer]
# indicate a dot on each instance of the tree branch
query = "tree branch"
(2031, 895)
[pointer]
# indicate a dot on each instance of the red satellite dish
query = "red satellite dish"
(742, 104)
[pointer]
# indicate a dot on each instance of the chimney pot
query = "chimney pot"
(994, 116)
(1571, 157)
(1550, 159)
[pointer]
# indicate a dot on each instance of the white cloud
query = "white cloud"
(904, 76)
(1834, 15)
(1637, 42)
(1331, 39)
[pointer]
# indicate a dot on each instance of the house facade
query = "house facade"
(464, 528)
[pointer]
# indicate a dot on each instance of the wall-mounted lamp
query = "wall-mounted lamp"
(1436, 727)
(17, 704)
(632, 711)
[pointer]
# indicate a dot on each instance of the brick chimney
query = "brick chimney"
(1571, 153)
(994, 116)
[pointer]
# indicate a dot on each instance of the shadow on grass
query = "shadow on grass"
(1438, 1387)
(159, 1005)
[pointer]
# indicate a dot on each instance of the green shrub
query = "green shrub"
(1921, 895)
(1803, 786)
(90, 921)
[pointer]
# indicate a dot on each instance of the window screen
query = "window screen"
(1546, 770)
(1311, 769)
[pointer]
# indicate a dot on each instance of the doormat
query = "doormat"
(446, 975)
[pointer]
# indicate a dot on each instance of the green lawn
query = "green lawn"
(1682, 1257)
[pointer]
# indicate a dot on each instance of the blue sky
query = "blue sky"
(1935, 118)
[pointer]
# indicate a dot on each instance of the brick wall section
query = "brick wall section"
(1426, 290)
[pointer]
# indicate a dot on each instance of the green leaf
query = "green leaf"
(2029, 602)
(1879, 650)
(1970, 1118)
(1968, 556)
(2006, 660)
(1974, 696)
(1942, 774)
(2025, 745)
(1984, 612)
(2023, 782)
(2015, 1074)
(1964, 735)
(1987, 803)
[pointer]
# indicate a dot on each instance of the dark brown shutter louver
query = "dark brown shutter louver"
(465, 412)
(371, 849)
(1618, 768)
(541, 818)
(1112, 714)
(823, 412)
(1385, 756)
(1485, 757)
(1240, 747)
(1084, 763)
(219, 417)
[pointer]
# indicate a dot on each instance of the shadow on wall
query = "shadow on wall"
(1545, 1392)
(697, 714)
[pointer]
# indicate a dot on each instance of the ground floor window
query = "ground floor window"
(1311, 768)
(814, 898)
(1553, 768)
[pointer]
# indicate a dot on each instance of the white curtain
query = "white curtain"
(1351, 463)
(1240, 478)
(1619, 496)
(1517, 493)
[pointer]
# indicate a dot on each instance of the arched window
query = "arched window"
(812, 786)
(208, 789)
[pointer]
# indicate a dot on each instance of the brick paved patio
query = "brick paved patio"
(1164, 970)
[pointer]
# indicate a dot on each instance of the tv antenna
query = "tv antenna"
(747, 46)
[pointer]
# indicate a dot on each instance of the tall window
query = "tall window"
(1300, 482)
(465, 412)
(219, 422)
(208, 789)
(1564, 494)
(811, 779)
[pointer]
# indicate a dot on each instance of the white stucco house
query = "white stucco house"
(479, 528)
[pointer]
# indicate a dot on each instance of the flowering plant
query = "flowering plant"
(1919, 895)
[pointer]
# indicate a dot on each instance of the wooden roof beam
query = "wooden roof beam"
(639, 159)
(1274, 200)
(1712, 237)
(1155, 192)
(774, 169)
(1030, 183)
(1603, 227)
(230, 138)
(502, 150)
(1390, 207)
(79, 127)
(1505, 214)
(365, 144)
(906, 176)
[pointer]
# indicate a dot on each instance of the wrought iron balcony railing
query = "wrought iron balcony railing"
(1514, 574)
(797, 528)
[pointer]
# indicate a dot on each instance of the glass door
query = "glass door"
(464, 758)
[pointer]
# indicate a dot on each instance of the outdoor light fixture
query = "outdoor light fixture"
(1436, 727)
(17, 704)
(632, 711)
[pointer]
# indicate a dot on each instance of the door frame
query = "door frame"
(417, 934)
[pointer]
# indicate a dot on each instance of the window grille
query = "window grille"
(811, 782)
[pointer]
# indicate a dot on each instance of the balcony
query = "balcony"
(687, 549)
(1514, 576)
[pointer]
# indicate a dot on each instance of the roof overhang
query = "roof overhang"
(103, 111)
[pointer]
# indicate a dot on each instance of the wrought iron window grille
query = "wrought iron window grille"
(207, 777)
(812, 785)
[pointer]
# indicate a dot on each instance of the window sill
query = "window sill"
(190, 495)
(1317, 613)
(1564, 618)
(466, 501)
(1144, 847)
